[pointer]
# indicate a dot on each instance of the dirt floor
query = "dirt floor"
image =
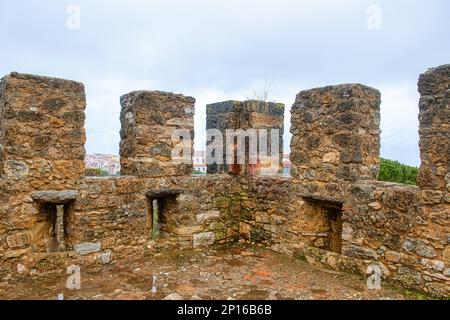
(234, 272)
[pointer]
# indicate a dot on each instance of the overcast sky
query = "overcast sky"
(217, 50)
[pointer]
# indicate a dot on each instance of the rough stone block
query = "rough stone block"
(434, 131)
(446, 255)
(208, 215)
(204, 239)
(53, 196)
(336, 133)
(149, 120)
(41, 118)
(19, 240)
(359, 252)
(106, 257)
(251, 114)
(87, 248)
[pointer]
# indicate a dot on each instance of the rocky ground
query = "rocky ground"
(236, 272)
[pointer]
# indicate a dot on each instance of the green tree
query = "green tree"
(95, 172)
(394, 171)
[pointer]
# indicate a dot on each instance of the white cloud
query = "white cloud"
(399, 122)
(399, 119)
(103, 111)
(224, 49)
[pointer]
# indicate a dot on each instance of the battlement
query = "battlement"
(259, 116)
(336, 137)
(42, 128)
(332, 212)
(149, 120)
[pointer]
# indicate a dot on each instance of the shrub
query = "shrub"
(94, 172)
(394, 171)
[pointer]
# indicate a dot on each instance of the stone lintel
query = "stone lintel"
(324, 201)
(163, 192)
(54, 196)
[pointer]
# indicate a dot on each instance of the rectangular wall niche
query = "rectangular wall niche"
(51, 230)
(327, 217)
(161, 205)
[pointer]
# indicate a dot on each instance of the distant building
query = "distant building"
(107, 162)
(111, 163)
(199, 161)
(286, 164)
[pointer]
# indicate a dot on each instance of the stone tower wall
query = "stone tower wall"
(331, 213)
(149, 120)
(247, 115)
(434, 119)
(42, 132)
(336, 137)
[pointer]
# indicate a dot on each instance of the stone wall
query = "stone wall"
(434, 173)
(379, 223)
(351, 222)
(276, 212)
(104, 219)
(336, 137)
(384, 222)
(116, 212)
(246, 115)
(332, 212)
(149, 120)
(434, 118)
(42, 129)
(42, 148)
(110, 220)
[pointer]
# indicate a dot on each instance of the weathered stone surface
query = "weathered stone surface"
(437, 276)
(419, 247)
(375, 205)
(340, 125)
(53, 196)
(433, 264)
(359, 252)
(425, 251)
(216, 226)
(392, 256)
(434, 130)
(106, 257)
(408, 277)
(87, 248)
(186, 231)
(446, 255)
(332, 201)
(331, 157)
(208, 215)
(43, 118)
(204, 239)
(432, 196)
(409, 245)
(21, 268)
(163, 192)
(149, 119)
(11, 254)
(19, 240)
(15, 170)
(245, 115)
